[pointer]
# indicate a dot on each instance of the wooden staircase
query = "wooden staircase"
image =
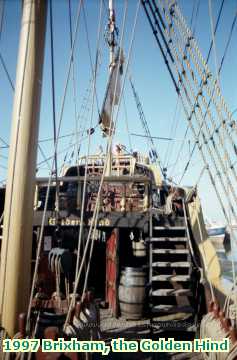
(172, 287)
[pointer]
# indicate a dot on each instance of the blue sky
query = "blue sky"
(149, 73)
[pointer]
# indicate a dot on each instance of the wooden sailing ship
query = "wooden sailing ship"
(111, 238)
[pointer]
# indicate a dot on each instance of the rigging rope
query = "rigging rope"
(83, 113)
(174, 125)
(226, 151)
(228, 187)
(7, 72)
(85, 106)
(73, 68)
(61, 152)
(216, 150)
(214, 41)
(4, 142)
(173, 129)
(109, 144)
(91, 62)
(95, 214)
(53, 104)
(112, 127)
(219, 71)
(180, 149)
(73, 80)
(94, 76)
(228, 41)
(144, 2)
(126, 123)
(207, 59)
(43, 155)
(229, 184)
(196, 17)
(215, 30)
(2, 3)
(171, 11)
(94, 218)
(53, 87)
(207, 78)
(154, 156)
(192, 15)
(200, 175)
(60, 137)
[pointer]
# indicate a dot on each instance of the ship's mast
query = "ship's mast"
(15, 271)
(112, 44)
(112, 34)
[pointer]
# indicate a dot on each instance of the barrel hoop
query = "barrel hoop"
(132, 286)
(131, 269)
(130, 303)
(134, 276)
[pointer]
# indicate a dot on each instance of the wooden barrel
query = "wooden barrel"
(132, 292)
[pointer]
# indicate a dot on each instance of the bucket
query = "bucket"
(139, 248)
(132, 292)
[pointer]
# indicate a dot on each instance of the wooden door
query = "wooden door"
(112, 271)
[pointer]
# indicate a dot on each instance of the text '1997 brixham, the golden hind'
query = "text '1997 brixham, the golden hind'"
(116, 345)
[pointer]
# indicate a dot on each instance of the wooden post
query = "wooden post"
(15, 271)
(112, 270)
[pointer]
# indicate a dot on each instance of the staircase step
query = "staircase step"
(172, 309)
(170, 251)
(171, 278)
(172, 292)
(183, 264)
(175, 239)
(169, 227)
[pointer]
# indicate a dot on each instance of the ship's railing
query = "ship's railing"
(120, 164)
(123, 194)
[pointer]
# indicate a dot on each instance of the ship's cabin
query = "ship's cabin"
(131, 184)
(127, 186)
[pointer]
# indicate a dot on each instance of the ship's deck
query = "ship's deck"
(140, 329)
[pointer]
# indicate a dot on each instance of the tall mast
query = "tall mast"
(112, 44)
(112, 34)
(15, 271)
